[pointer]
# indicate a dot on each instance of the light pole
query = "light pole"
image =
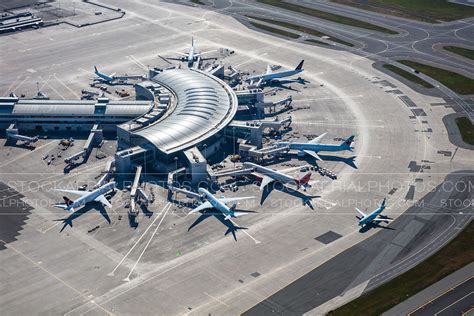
(233, 143)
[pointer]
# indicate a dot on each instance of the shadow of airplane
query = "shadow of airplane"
(372, 225)
(347, 160)
(23, 145)
(231, 228)
(306, 199)
(92, 205)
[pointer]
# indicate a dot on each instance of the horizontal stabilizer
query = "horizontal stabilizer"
(360, 212)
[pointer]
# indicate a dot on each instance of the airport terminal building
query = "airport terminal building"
(198, 108)
(180, 116)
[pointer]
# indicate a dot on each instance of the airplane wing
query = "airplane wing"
(181, 54)
(174, 58)
(230, 200)
(382, 220)
(317, 139)
(203, 53)
(290, 169)
(266, 180)
(103, 200)
(201, 207)
(313, 154)
(73, 191)
(360, 212)
(269, 69)
(113, 75)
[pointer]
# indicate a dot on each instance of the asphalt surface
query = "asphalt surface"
(158, 267)
(394, 249)
(455, 301)
(416, 41)
(13, 214)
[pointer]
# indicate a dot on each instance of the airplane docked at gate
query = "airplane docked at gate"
(273, 76)
(192, 56)
(220, 204)
(86, 196)
(269, 175)
(104, 77)
(314, 146)
(217, 207)
(372, 217)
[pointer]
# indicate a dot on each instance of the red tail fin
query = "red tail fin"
(304, 179)
(67, 200)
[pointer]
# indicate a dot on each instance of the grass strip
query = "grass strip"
(326, 15)
(456, 82)
(274, 30)
(432, 11)
(407, 75)
(301, 28)
(466, 128)
(468, 53)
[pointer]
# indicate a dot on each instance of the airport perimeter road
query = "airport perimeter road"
(416, 40)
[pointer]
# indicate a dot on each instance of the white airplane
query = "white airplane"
(314, 146)
(372, 217)
(86, 196)
(220, 204)
(273, 76)
(104, 77)
(192, 56)
(270, 175)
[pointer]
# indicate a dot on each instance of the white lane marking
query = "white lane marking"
(137, 62)
(133, 247)
(149, 241)
(246, 233)
(66, 86)
(25, 154)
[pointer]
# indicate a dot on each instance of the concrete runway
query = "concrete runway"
(160, 268)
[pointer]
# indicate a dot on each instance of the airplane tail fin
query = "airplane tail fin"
(232, 230)
(95, 68)
(67, 200)
(383, 202)
(347, 143)
(300, 65)
(305, 179)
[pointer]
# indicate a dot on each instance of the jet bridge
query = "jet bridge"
(12, 135)
(95, 137)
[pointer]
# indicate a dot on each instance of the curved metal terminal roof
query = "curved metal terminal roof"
(12, 107)
(205, 105)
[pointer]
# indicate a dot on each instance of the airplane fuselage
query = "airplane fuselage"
(218, 205)
(83, 200)
(276, 75)
(316, 147)
(369, 218)
(277, 176)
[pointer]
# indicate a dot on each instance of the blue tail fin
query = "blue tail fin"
(300, 65)
(348, 141)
